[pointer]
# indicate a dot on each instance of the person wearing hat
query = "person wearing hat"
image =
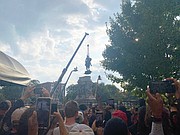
(6, 121)
(81, 129)
(15, 117)
(120, 114)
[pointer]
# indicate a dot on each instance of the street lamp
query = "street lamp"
(96, 95)
(74, 70)
(99, 78)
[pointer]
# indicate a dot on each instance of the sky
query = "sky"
(43, 35)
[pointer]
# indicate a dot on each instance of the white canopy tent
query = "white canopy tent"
(12, 72)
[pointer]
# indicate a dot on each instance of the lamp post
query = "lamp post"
(99, 78)
(96, 95)
(64, 89)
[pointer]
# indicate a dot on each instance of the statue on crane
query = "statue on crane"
(88, 62)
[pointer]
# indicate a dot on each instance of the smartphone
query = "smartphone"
(162, 87)
(53, 108)
(99, 119)
(110, 102)
(43, 108)
(38, 90)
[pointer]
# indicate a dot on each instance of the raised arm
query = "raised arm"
(156, 105)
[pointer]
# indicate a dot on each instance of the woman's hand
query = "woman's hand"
(28, 93)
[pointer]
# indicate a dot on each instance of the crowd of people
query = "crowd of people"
(151, 117)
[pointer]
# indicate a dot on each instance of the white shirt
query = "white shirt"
(157, 129)
(68, 127)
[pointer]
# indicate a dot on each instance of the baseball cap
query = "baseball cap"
(81, 129)
(120, 114)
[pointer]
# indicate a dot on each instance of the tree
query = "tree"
(72, 92)
(13, 92)
(144, 43)
(104, 91)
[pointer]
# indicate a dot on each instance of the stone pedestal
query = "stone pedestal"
(85, 93)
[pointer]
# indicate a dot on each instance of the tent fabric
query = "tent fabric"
(12, 72)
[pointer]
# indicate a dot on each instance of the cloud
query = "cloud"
(43, 34)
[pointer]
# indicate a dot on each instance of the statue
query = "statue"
(88, 62)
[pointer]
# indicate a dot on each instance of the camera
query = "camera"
(54, 108)
(166, 86)
(43, 108)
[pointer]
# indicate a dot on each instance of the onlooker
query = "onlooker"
(4, 106)
(120, 114)
(177, 94)
(33, 124)
(81, 129)
(116, 126)
(145, 120)
(142, 102)
(97, 130)
(134, 116)
(156, 105)
(92, 116)
(173, 116)
(5, 127)
(15, 119)
(23, 122)
(71, 112)
(107, 115)
(128, 114)
(153, 119)
(80, 117)
(134, 120)
(84, 109)
(62, 128)
(142, 128)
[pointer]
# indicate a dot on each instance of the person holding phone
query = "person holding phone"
(33, 124)
(156, 105)
(177, 95)
(71, 113)
(6, 124)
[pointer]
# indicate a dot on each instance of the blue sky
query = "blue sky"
(43, 34)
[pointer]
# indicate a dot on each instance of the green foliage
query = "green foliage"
(144, 43)
(72, 92)
(11, 92)
(2, 98)
(104, 91)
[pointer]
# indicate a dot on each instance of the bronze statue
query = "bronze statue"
(88, 62)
